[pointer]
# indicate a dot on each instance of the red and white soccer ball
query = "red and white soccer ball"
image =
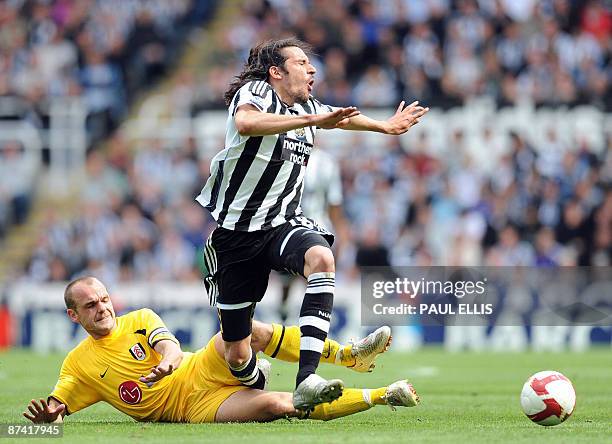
(548, 398)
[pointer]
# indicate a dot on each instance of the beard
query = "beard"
(302, 99)
(301, 96)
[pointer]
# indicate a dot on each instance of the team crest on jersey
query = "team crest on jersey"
(138, 352)
(300, 132)
(130, 393)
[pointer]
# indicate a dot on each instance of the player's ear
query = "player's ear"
(72, 315)
(275, 72)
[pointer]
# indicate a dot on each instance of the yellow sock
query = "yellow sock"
(344, 357)
(352, 401)
(285, 345)
(330, 351)
(376, 396)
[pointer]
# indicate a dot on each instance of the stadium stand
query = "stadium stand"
(69, 72)
(514, 189)
(444, 53)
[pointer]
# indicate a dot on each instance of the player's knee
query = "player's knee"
(319, 259)
(236, 360)
(237, 355)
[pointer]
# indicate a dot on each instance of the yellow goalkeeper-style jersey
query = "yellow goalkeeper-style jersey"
(108, 369)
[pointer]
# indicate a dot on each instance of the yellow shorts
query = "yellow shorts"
(212, 384)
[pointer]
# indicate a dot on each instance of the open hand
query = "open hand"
(157, 373)
(336, 119)
(404, 118)
(43, 412)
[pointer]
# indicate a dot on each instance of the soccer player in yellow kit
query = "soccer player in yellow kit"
(134, 363)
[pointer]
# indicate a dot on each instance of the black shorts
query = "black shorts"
(239, 262)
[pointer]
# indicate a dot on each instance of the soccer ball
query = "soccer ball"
(548, 398)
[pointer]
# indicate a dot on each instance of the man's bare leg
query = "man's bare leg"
(256, 405)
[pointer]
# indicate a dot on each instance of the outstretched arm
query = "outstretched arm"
(172, 356)
(54, 411)
(252, 122)
(403, 119)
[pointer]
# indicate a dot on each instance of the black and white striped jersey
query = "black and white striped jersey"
(256, 182)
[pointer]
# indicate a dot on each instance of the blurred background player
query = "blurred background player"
(321, 201)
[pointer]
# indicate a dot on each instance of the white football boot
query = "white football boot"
(315, 390)
(365, 351)
(265, 367)
(401, 394)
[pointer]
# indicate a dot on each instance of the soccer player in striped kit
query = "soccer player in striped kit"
(254, 193)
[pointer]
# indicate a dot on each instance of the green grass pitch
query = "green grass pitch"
(466, 397)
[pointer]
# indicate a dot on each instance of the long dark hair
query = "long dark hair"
(261, 58)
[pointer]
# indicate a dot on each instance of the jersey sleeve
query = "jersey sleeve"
(70, 389)
(155, 327)
(257, 93)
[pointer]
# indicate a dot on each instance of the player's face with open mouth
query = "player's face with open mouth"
(299, 74)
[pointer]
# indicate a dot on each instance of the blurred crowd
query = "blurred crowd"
(543, 205)
(18, 170)
(103, 51)
(137, 218)
(442, 52)
(549, 205)
(539, 207)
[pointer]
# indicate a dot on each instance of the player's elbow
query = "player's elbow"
(244, 126)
